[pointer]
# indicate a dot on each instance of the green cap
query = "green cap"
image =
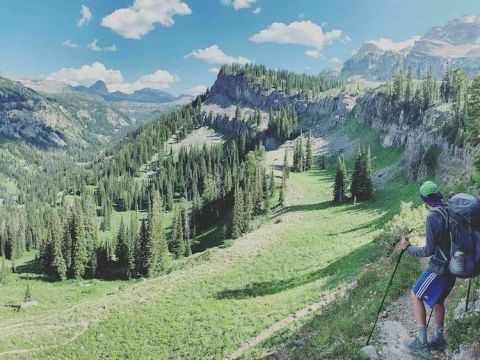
(428, 188)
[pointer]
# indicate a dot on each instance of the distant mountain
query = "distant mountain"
(99, 88)
(457, 44)
(50, 113)
(145, 95)
(62, 117)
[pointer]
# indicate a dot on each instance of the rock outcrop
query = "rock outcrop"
(426, 139)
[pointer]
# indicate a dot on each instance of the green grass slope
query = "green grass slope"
(216, 300)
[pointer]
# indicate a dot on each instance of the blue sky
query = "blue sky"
(176, 45)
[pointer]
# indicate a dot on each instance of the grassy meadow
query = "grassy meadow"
(216, 300)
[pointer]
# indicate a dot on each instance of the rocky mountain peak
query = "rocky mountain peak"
(455, 44)
(459, 38)
(100, 87)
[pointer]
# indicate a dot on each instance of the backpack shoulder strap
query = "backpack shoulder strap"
(442, 211)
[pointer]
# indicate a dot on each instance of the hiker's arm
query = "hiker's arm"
(429, 248)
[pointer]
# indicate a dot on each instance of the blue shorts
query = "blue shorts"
(432, 288)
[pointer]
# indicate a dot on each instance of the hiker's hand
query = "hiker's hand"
(404, 243)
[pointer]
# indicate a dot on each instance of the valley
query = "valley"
(223, 296)
(257, 219)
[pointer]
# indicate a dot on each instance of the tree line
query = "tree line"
(283, 80)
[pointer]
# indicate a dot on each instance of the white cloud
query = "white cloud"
(214, 70)
(159, 80)
(239, 4)
(139, 19)
(347, 39)
(70, 44)
(298, 33)
(257, 10)
(335, 60)
(86, 16)
(301, 16)
(214, 55)
(95, 47)
(89, 74)
(313, 53)
(197, 90)
(387, 44)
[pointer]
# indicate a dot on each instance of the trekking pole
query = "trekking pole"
(430, 317)
(468, 294)
(385, 296)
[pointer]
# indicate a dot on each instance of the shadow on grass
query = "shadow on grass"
(32, 270)
(303, 207)
(337, 272)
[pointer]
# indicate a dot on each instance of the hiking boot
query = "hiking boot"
(438, 345)
(416, 347)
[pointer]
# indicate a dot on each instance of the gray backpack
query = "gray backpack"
(463, 219)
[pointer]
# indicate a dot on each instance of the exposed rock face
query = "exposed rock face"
(457, 44)
(373, 63)
(427, 143)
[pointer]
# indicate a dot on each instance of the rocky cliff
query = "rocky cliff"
(426, 137)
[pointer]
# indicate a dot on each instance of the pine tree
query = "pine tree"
(357, 185)
(472, 120)
(79, 248)
(340, 185)
(283, 190)
(123, 251)
(238, 219)
(258, 117)
(58, 265)
(272, 185)
(409, 90)
(398, 87)
(446, 86)
(301, 155)
(266, 193)
(309, 154)
(259, 193)
(91, 232)
(286, 167)
(132, 237)
(157, 254)
(368, 182)
(186, 226)
(178, 242)
(238, 114)
(141, 249)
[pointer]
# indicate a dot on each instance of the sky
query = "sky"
(178, 45)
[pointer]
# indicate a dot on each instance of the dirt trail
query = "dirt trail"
(398, 324)
(282, 324)
(85, 326)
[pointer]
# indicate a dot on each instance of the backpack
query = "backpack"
(463, 219)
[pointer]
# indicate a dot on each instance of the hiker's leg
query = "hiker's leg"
(420, 318)
(439, 315)
(419, 310)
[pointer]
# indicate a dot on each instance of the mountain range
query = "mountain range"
(146, 95)
(455, 45)
(50, 113)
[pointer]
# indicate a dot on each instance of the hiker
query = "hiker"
(436, 282)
